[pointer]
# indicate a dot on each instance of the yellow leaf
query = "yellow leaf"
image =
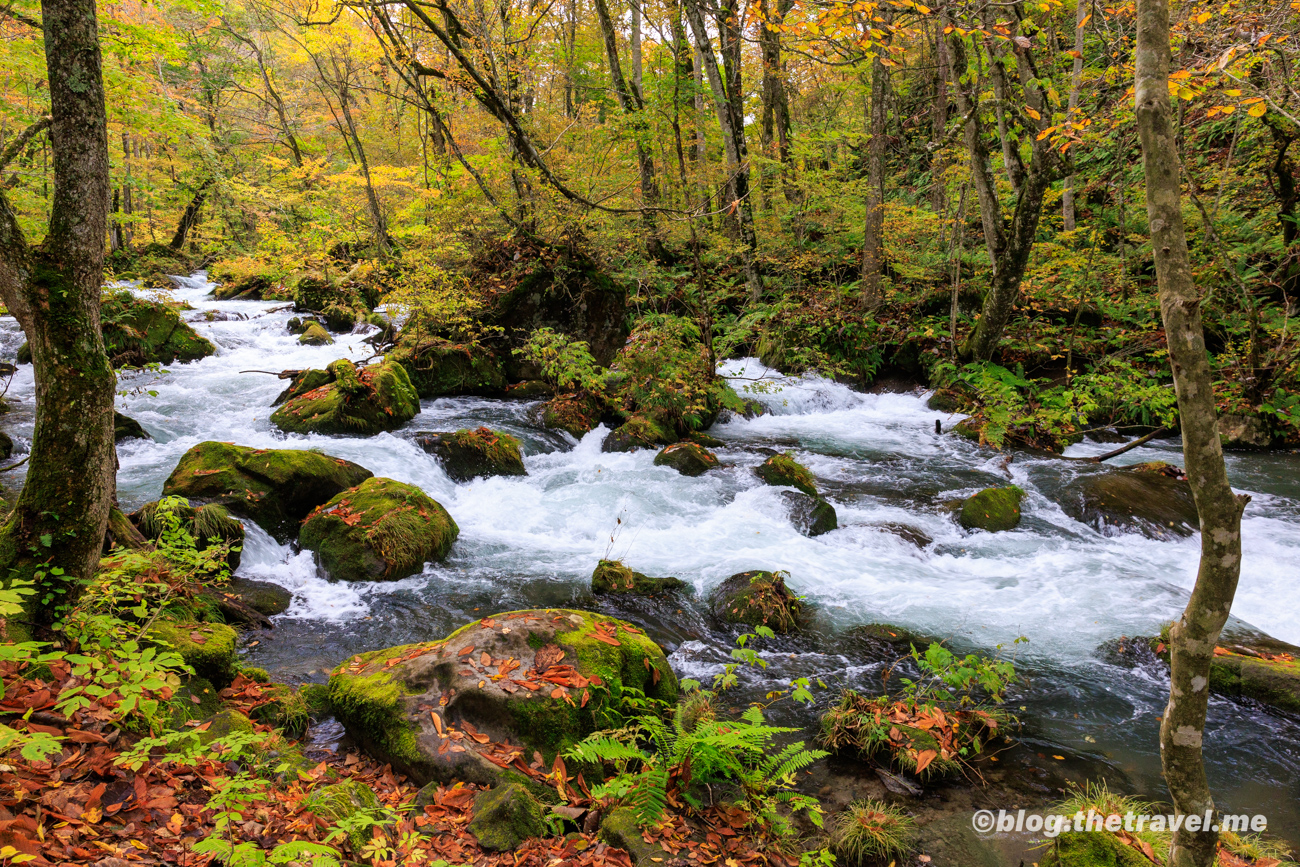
(1203, 17)
(1259, 109)
(1035, 115)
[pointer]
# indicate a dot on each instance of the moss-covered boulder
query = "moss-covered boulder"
(757, 598)
(127, 428)
(505, 816)
(381, 530)
(641, 431)
(470, 454)
(575, 414)
(1093, 849)
(992, 509)
(784, 471)
(314, 334)
(138, 331)
(1153, 499)
(687, 458)
(622, 830)
(315, 292)
(812, 516)
(302, 382)
(342, 318)
(6, 446)
(611, 576)
(246, 279)
(1267, 670)
(1244, 433)
(208, 648)
(197, 699)
(276, 488)
(223, 724)
(209, 525)
(363, 401)
(438, 367)
(262, 596)
(500, 688)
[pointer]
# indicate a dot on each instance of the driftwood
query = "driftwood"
(1127, 447)
(236, 611)
(284, 374)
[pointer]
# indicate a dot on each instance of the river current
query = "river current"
(534, 540)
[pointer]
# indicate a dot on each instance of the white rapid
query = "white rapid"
(536, 539)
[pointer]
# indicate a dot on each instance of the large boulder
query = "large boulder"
(992, 509)
(126, 428)
(381, 530)
(139, 332)
(687, 458)
(1244, 433)
(263, 597)
(641, 431)
(784, 471)
(363, 401)
(469, 454)
(1153, 499)
(476, 705)
(505, 816)
(575, 414)
(302, 382)
(209, 648)
(812, 516)
(611, 576)
(757, 598)
(1263, 669)
(275, 488)
(314, 334)
(440, 367)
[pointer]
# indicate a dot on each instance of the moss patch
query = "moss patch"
(379, 530)
(138, 332)
(314, 334)
(362, 401)
(611, 576)
(124, 428)
(438, 367)
(992, 509)
(506, 816)
(757, 599)
(784, 471)
(641, 431)
(276, 488)
(574, 414)
(469, 454)
(687, 458)
(208, 648)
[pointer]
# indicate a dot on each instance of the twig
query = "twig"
(14, 466)
(1128, 446)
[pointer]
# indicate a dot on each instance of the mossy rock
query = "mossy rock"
(197, 699)
(276, 488)
(784, 471)
(363, 401)
(261, 596)
(341, 318)
(757, 598)
(576, 415)
(245, 280)
(530, 389)
(314, 292)
(641, 431)
(1267, 672)
(470, 454)
(687, 458)
(505, 816)
(287, 710)
(126, 428)
(1244, 433)
(208, 648)
(297, 325)
(703, 439)
(438, 368)
(314, 334)
(811, 516)
(621, 830)
(209, 525)
(1152, 499)
(6, 446)
(969, 428)
(992, 509)
(611, 576)
(503, 676)
(344, 800)
(1092, 849)
(302, 382)
(223, 724)
(381, 530)
(139, 332)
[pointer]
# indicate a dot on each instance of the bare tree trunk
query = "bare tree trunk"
(873, 236)
(939, 120)
(1076, 78)
(730, 122)
(776, 97)
(56, 531)
(1193, 637)
(190, 217)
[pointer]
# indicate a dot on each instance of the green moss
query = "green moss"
(757, 598)
(638, 662)
(687, 458)
(341, 317)
(469, 454)
(379, 530)
(438, 368)
(992, 509)
(314, 334)
(316, 696)
(208, 648)
(371, 706)
(197, 699)
(345, 800)
(223, 724)
(640, 431)
(138, 332)
(621, 830)
(783, 471)
(576, 415)
(255, 673)
(277, 488)
(611, 576)
(124, 428)
(366, 401)
(505, 816)
(1092, 849)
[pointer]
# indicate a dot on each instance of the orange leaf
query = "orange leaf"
(923, 759)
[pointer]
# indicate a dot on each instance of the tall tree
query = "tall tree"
(873, 235)
(1193, 638)
(56, 532)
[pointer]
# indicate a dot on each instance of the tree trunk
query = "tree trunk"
(776, 97)
(873, 236)
(56, 532)
(939, 121)
(1193, 638)
(1076, 78)
(733, 138)
(190, 217)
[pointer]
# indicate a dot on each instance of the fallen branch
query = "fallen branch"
(284, 374)
(1143, 440)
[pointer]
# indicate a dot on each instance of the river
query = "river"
(535, 540)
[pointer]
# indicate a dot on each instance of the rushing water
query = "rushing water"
(535, 540)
